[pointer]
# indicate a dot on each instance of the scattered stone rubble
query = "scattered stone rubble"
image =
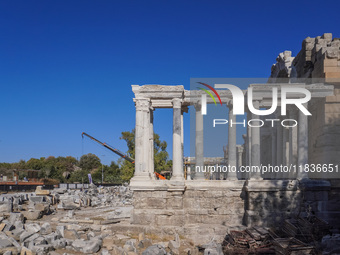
(51, 222)
(94, 196)
(19, 236)
(65, 221)
(20, 232)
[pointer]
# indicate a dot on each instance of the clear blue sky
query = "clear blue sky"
(67, 66)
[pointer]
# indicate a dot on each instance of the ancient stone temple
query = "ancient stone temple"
(199, 207)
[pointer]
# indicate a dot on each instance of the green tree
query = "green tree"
(89, 162)
(20, 165)
(161, 156)
(35, 164)
(112, 174)
(79, 176)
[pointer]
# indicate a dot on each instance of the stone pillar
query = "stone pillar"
(248, 141)
(199, 155)
(245, 142)
(188, 172)
(284, 145)
(177, 160)
(255, 144)
(218, 175)
(232, 155)
(151, 147)
(285, 149)
(248, 148)
(293, 134)
(302, 144)
(142, 136)
(245, 155)
(183, 110)
(279, 143)
(274, 148)
(239, 159)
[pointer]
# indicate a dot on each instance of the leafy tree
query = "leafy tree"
(89, 162)
(161, 158)
(19, 165)
(112, 174)
(79, 176)
(160, 155)
(35, 163)
(50, 167)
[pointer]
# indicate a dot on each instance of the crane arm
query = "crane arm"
(161, 177)
(118, 152)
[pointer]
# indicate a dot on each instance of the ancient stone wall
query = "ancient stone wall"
(319, 59)
(201, 213)
(201, 209)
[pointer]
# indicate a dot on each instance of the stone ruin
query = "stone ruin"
(21, 232)
(200, 208)
(251, 213)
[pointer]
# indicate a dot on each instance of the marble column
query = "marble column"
(248, 152)
(177, 160)
(285, 150)
(151, 146)
(293, 149)
(302, 144)
(245, 155)
(232, 155)
(183, 110)
(142, 140)
(199, 155)
(188, 172)
(255, 144)
(274, 148)
(279, 148)
(239, 159)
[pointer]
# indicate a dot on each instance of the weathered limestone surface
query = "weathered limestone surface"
(319, 59)
(269, 202)
(190, 208)
(216, 206)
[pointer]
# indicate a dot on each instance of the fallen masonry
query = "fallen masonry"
(90, 221)
(102, 225)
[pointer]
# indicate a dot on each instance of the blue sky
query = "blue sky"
(67, 66)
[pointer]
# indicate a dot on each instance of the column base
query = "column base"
(177, 178)
(232, 176)
(258, 178)
(141, 178)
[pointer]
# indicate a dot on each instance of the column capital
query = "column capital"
(142, 104)
(176, 103)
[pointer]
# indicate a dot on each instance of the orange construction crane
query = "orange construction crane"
(161, 177)
(118, 152)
